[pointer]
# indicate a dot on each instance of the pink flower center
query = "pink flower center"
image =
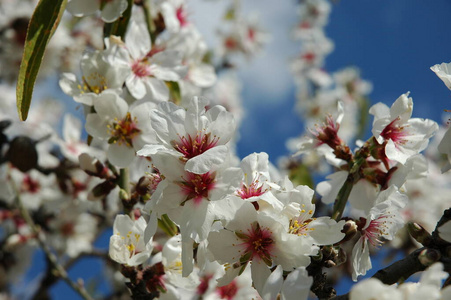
(394, 132)
(258, 243)
(309, 57)
(154, 277)
(191, 147)
(228, 291)
(30, 185)
(197, 186)
(304, 25)
(251, 34)
(68, 229)
(204, 283)
(124, 131)
(231, 43)
(328, 133)
(182, 16)
(141, 69)
(376, 229)
(253, 190)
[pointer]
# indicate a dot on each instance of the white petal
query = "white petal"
(80, 8)
(158, 89)
(149, 150)
(203, 75)
(136, 86)
(224, 245)
(260, 274)
(71, 129)
(187, 257)
(297, 285)
(113, 10)
(434, 275)
(210, 159)
(443, 71)
(402, 108)
(120, 155)
(327, 231)
(360, 259)
(97, 126)
(137, 40)
(68, 83)
(329, 189)
(363, 195)
(110, 106)
(444, 231)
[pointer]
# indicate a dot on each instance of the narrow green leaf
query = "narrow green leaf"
(44, 21)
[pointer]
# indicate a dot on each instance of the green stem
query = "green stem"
(149, 22)
(342, 198)
(124, 180)
(355, 165)
(167, 225)
(124, 185)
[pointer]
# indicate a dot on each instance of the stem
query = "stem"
(149, 22)
(59, 271)
(355, 164)
(124, 185)
(124, 180)
(342, 198)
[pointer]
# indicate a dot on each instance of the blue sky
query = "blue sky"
(393, 43)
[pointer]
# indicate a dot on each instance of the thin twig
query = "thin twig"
(59, 271)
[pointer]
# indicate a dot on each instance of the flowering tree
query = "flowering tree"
(157, 162)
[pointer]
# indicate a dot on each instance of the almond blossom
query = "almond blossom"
(429, 287)
(260, 239)
(127, 244)
(443, 71)
(126, 129)
(402, 135)
(382, 222)
(148, 66)
(97, 76)
(197, 136)
(188, 199)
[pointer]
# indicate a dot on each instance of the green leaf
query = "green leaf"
(44, 21)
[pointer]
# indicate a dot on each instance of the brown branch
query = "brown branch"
(418, 260)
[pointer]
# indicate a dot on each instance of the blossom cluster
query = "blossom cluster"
(190, 219)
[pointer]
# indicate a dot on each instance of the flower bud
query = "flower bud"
(123, 195)
(92, 166)
(22, 153)
(429, 256)
(329, 263)
(349, 229)
(101, 190)
(419, 233)
(148, 184)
